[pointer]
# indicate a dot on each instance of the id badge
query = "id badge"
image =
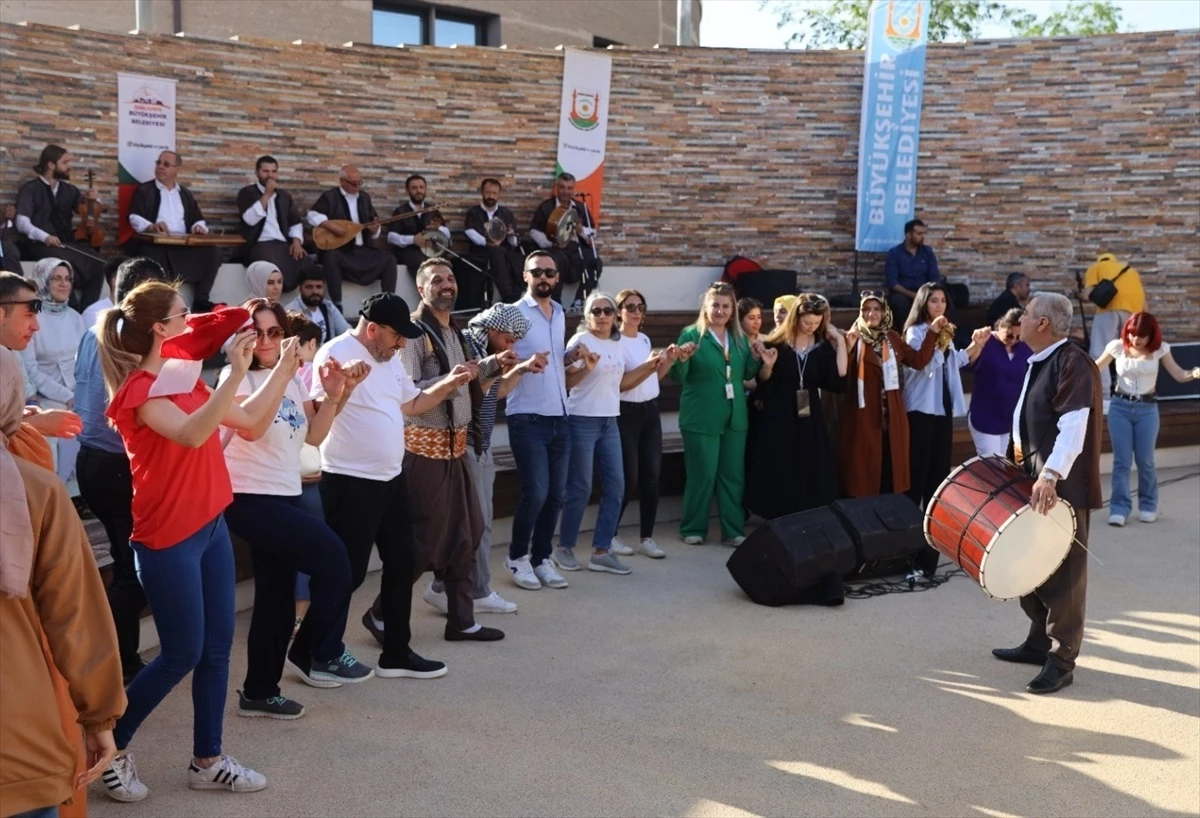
(728, 391)
(803, 409)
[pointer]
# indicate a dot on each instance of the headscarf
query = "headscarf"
(873, 336)
(506, 318)
(42, 271)
(256, 277)
(785, 301)
(16, 528)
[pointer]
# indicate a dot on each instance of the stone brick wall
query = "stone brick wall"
(1035, 155)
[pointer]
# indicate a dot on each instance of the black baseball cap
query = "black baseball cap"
(390, 310)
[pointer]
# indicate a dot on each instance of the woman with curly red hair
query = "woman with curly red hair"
(1133, 413)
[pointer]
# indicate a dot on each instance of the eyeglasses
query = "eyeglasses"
(871, 294)
(60, 279)
(160, 163)
(269, 332)
(629, 307)
(34, 304)
(183, 314)
(598, 311)
(539, 272)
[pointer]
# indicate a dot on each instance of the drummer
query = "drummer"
(163, 207)
(576, 259)
(1056, 433)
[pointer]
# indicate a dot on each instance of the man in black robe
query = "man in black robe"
(577, 261)
(165, 207)
(45, 216)
(357, 260)
(272, 225)
(403, 236)
(10, 256)
(501, 258)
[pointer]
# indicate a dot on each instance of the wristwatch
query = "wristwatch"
(1049, 476)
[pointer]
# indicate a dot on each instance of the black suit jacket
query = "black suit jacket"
(414, 225)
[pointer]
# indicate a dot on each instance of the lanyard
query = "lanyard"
(725, 349)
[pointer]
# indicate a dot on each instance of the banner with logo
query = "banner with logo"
(145, 128)
(891, 121)
(583, 123)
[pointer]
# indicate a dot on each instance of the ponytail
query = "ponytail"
(126, 332)
(116, 362)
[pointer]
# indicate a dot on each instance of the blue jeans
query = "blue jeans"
(190, 589)
(595, 443)
(1133, 428)
(310, 501)
(43, 812)
(541, 447)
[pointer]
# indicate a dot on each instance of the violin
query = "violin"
(89, 217)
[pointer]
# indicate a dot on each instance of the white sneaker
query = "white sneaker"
(693, 540)
(226, 774)
(619, 548)
(1117, 520)
(437, 599)
(1148, 516)
(121, 782)
(494, 603)
(549, 576)
(523, 574)
(650, 548)
(733, 542)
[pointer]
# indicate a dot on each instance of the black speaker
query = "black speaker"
(766, 285)
(882, 527)
(795, 559)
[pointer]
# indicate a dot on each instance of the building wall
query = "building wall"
(333, 22)
(1035, 155)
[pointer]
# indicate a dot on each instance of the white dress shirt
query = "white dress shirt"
(270, 232)
(170, 210)
(314, 218)
(1072, 427)
(405, 240)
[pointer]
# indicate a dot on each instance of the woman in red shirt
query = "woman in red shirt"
(184, 555)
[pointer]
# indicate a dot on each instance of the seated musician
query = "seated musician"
(162, 208)
(403, 235)
(576, 260)
(272, 225)
(10, 256)
(45, 214)
(501, 257)
(356, 260)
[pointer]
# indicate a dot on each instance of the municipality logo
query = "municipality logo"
(585, 109)
(903, 28)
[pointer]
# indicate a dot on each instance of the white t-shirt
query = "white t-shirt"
(271, 464)
(598, 395)
(367, 438)
(636, 351)
(1136, 376)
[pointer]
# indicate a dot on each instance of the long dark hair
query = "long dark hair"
(919, 314)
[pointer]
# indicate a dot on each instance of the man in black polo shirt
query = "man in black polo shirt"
(909, 265)
(1016, 293)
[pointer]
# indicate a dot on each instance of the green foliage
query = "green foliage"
(843, 23)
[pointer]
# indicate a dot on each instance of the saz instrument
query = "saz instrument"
(325, 239)
(191, 239)
(562, 224)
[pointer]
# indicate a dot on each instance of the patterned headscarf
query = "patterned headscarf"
(42, 271)
(506, 318)
(785, 301)
(873, 336)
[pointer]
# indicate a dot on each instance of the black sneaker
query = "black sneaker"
(376, 630)
(484, 634)
(305, 671)
(345, 669)
(413, 667)
(274, 707)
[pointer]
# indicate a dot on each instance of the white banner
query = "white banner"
(583, 123)
(145, 128)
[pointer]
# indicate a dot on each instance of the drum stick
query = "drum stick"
(1075, 539)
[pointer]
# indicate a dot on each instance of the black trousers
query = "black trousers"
(641, 450)
(576, 263)
(375, 512)
(411, 257)
(362, 265)
(89, 269)
(503, 265)
(1056, 609)
(930, 439)
(107, 487)
(285, 540)
(279, 253)
(11, 261)
(197, 266)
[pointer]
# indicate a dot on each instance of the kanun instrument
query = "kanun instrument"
(192, 239)
(325, 239)
(980, 517)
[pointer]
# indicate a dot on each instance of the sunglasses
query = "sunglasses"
(720, 287)
(34, 304)
(598, 311)
(871, 294)
(633, 307)
(539, 272)
(269, 332)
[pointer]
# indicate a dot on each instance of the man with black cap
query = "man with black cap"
(363, 489)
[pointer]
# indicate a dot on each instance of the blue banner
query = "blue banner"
(897, 31)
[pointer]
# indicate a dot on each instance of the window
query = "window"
(603, 42)
(411, 24)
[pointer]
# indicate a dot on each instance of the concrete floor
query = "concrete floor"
(668, 693)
